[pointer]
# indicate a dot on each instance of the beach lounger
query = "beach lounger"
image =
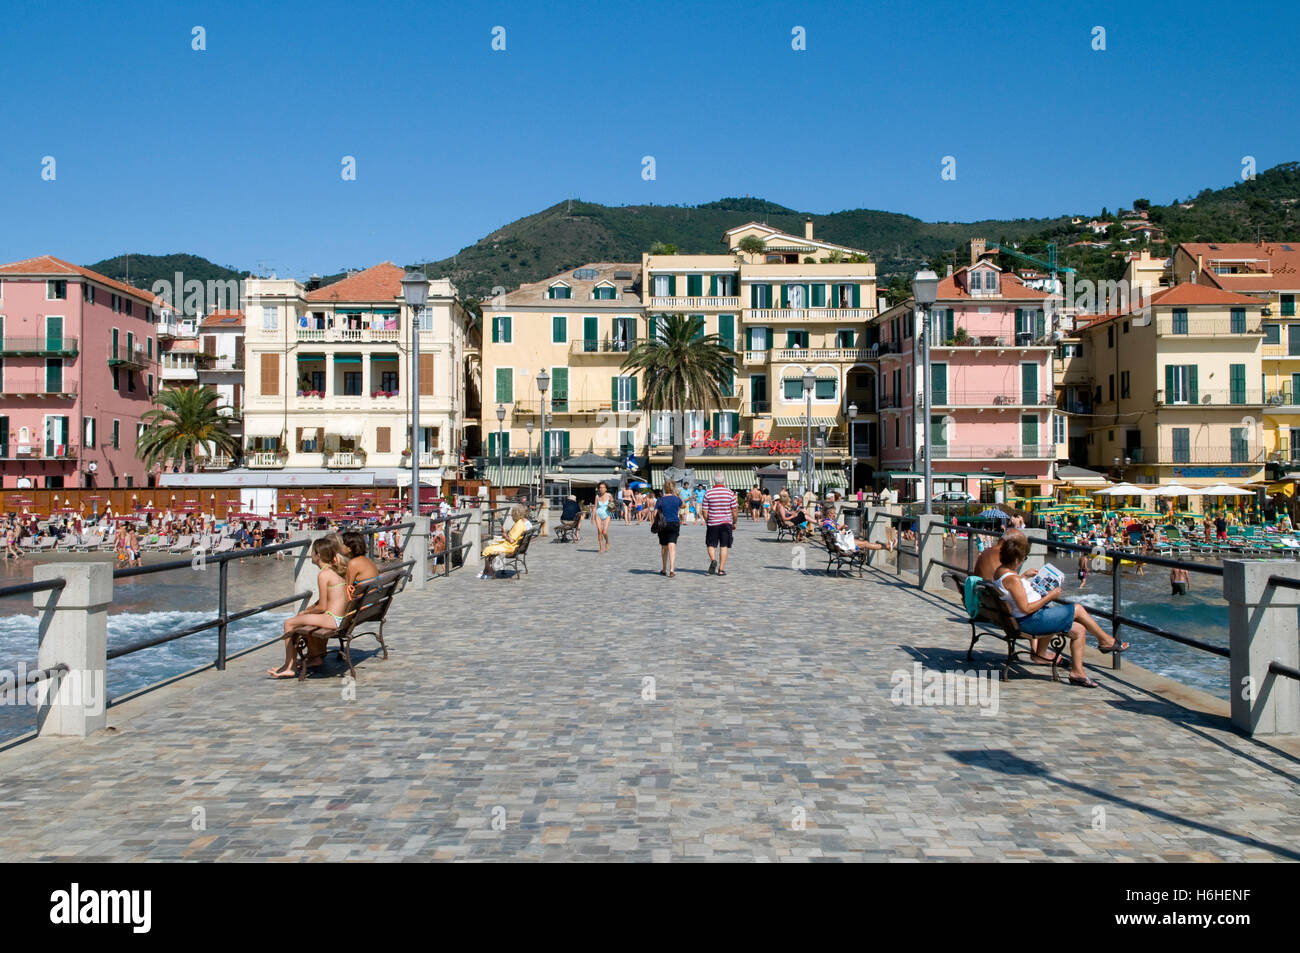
(183, 544)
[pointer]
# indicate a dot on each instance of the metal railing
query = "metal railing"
(33, 673)
(19, 347)
(973, 398)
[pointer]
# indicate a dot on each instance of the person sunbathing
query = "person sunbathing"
(360, 566)
(325, 613)
(844, 538)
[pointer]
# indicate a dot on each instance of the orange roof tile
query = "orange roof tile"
(1011, 288)
(44, 265)
(223, 319)
(382, 282)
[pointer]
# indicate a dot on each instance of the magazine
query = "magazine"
(1045, 580)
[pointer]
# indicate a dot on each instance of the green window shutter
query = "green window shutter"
(818, 299)
(1237, 382)
(1169, 383)
(564, 443)
(697, 326)
(492, 445)
(727, 386)
(785, 296)
(496, 330)
(727, 330)
(590, 333)
(559, 385)
(635, 406)
(505, 442)
(835, 296)
(672, 286)
(807, 296)
(613, 393)
(713, 286)
(791, 339)
(4, 436)
(1029, 430)
(1040, 325)
(714, 426)
(857, 296)
(1029, 383)
(1193, 396)
(753, 296)
(505, 389)
(939, 383)
(694, 286)
(749, 339)
(559, 329)
(115, 342)
(948, 326)
(508, 327)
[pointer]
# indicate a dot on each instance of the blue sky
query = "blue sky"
(235, 152)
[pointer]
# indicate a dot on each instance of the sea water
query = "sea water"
(147, 606)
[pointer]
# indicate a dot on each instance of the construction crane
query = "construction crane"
(1051, 264)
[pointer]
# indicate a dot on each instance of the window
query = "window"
(270, 317)
(352, 383)
(558, 291)
(150, 385)
(792, 389)
(505, 385)
(976, 280)
(796, 339)
(725, 286)
(845, 339)
(117, 435)
(149, 347)
(559, 389)
(1125, 329)
(1293, 340)
(117, 382)
(661, 429)
(1182, 445)
(1180, 384)
(130, 305)
(760, 339)
(1029, 433)
(825, 388)
(624, 334)
(424, 319)
(1110, 387)
(388, 381)
(56, 289)
(1239, 445)
(1288, 306)
(1272, 334)
(502, 329)
(1059, 428)
(694, 286)
(1110, 336)
(1124, 384)
(662, 286)
(760, 296)
(605, 293)
(1237, 383)
(626, 442)
(795, 295)
(88, 433)
(559, 329)
(130, 382)
(624, 393)
(1237, 322)
(1180, 321)
(88, 293)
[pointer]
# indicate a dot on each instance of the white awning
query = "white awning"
(346, 427)
(257, 425)
(309, 433)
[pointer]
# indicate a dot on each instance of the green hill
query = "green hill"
(143, 270)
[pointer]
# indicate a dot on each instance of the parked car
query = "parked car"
(955, 496)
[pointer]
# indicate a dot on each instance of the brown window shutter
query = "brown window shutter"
(209, 344)
(426, 375)
(271, 375)
(382, 439)
(297, 440)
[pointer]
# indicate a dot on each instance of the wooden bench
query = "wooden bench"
(518, 558)
(364, 614)
(837, 558)
(568, 532)
(995, 619)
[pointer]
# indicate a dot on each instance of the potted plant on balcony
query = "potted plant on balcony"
(961, 337)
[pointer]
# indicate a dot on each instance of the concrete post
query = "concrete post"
(73, 632)
(473, 540)
(417, 548)
(1262, 629)
(1037, 557)
(929, 546)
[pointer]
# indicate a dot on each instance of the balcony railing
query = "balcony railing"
(1208, 327)
(1283, 397)
(688, 304)
(895, 401)
(121, 356)
(221, 363)
(809, 314)
(344, 459)
(1229, 397)
(572, 406)
(18, 387)
(1213, 454)
(37, 451)
(350, 335)
(267, 460)
(615, 347)
(38, 347)
(760, 407)
(962, 398)
(218, 462)
(1045, 451)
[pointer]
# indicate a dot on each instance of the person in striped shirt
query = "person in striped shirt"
(720, 512)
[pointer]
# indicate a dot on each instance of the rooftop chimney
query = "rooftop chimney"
(949, 269)
(977, 246)
(807, 228)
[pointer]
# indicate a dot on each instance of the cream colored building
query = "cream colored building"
(579, 327)
(1177, 389)
(328, 381)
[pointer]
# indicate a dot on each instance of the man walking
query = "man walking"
(720, 513)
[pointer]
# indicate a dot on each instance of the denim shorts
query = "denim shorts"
(1051, 618)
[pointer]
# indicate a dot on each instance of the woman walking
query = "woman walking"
(604, 500)
(668, 519)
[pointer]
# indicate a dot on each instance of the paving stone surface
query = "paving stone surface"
(594, 710)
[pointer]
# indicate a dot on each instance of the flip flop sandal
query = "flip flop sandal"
(722, 572)
(1084, 682)
(1114, 647)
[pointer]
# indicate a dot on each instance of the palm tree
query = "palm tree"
(182, 425)
(682, 369)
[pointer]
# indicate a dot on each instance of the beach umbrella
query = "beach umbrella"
(1124, 489)
(1222, 489)
(991, 513)
(1177, 489)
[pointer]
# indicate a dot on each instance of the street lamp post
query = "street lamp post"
(529, 427)
(809, 381)
(543, 382)
(925, 287)
(415, 292)
(821, 439)
(853, 457)
(501, 448)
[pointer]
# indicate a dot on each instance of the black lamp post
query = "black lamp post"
(415, 292)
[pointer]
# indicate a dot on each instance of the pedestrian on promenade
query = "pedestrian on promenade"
(1043, 616)
(720, 515)
(1179, 579)
(755, 503)
(668, 526)
(604, 502)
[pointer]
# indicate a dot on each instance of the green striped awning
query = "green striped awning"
(383, 357)
(311, 357)
(347, 358)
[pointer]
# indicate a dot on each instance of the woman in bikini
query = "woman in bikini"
(327, 613)
(604, 500)
(360, 566)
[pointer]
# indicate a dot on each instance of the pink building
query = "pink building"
(991, 391)
(78, 369)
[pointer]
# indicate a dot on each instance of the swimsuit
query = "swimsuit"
(602, 511)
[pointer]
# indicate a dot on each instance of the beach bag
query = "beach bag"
(771, 522)
(658, 524)
(971, 595)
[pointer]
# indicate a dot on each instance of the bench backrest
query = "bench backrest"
(994, 609)
(372, 599)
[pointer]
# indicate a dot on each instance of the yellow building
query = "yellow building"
(1270, 273)
(578, 327)
(1176, 389)
(799, 304)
